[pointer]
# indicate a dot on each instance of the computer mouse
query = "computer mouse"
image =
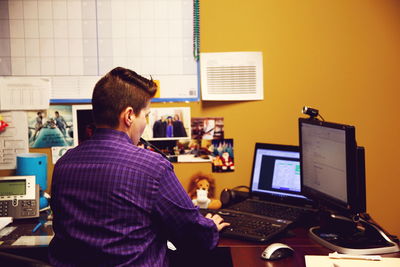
(276, 251)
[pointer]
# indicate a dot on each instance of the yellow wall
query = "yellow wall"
(341, 57)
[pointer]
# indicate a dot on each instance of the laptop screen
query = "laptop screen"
(276, 171)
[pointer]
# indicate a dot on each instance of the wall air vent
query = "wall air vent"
(231, 76)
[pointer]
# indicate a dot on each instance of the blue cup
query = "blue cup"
(34, 164)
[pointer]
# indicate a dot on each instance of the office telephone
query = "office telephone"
(234, 195)
(19, 197)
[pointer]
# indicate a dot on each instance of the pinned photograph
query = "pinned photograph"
(58, 151)
(51, 127)
(208, 128)
(183, 150)
(194, 150)
(167, 148)
(168, 124)
(222, 155)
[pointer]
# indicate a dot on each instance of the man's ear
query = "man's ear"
(128, 116)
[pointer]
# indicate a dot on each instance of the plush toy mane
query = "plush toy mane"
(193, 184)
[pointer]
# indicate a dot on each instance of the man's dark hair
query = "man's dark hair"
(117, 90)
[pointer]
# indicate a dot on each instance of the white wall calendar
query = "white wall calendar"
(75, 42)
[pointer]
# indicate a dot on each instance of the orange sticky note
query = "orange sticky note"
(158, 94)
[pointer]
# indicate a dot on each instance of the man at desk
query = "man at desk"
(116, 204)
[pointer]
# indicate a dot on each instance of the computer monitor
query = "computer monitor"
(331, 166)
(83, 123)
(333, 176)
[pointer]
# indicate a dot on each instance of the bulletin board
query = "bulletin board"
(75, 42)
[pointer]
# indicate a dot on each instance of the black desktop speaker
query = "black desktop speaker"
(234, 195)
(361, 195)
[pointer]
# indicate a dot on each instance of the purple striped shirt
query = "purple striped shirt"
(116, 204)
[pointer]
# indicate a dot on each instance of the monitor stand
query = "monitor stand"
(343, 235)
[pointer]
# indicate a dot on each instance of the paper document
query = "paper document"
(14, 139)
(24, 93)
(7, 230)
(33, 241)
(4, 221)
(325, 261)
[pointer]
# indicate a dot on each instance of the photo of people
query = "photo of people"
(51, 127)
(207, 128)
(222, 155)
(168, 123)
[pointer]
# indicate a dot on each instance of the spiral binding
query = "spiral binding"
(196, 29)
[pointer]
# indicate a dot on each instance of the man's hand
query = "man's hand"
(218, 220)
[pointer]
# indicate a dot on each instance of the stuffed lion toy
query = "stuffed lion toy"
(202, 191)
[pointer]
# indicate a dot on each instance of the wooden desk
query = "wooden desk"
(247, 254)
(24, 228)
(242, 253)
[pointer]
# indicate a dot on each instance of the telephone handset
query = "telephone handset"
(234, 195)
(19, 197)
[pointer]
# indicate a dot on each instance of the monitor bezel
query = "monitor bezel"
(325, 201)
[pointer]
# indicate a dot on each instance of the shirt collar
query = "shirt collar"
(101, 133)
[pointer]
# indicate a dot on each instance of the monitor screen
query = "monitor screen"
(328, 160)
(276, 171)
(275, 174)
(84, 123)
(12, 187)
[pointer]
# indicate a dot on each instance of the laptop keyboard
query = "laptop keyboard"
(269, 209)
(248, 227)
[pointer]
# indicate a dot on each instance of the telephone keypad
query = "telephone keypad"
(27, 208)
(3, 208)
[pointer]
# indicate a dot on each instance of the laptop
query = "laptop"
(275, 194)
